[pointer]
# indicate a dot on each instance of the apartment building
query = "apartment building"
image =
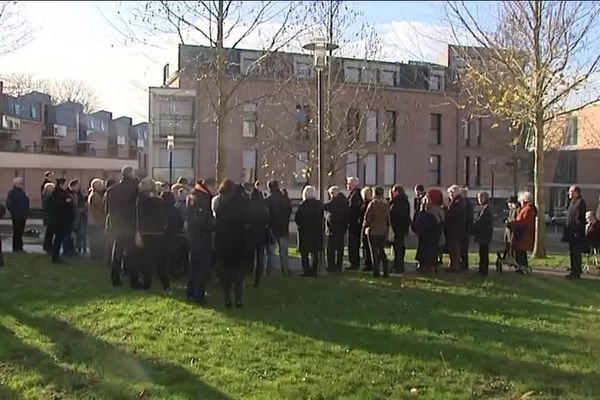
(402, 120)
(36, 136)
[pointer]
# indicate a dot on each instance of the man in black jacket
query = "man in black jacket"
(280, 210)
(120, 207)
(400, 222)
(574, 232)
(483, 230)
(199, 222)
(17, 203)
(354, 225)
(455, 227)
(60, 210)
(464, 248)
(335, 228)
(48, 176)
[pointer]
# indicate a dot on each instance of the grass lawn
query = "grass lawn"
(66, 334)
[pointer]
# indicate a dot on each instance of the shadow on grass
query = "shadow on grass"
(110, 371)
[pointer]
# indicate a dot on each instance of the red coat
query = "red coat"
(523, 227)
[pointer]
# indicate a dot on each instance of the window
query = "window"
(352, 121)
(389, 77)
(371, 126)
(368, 75)
(34, 112)
(302, 174)
(182, 158)
(467, 169)
(390, 125)
(17, 109)
(389, 170)
(571, 136)
(249, 165)
(121, 140)
(102, 125)
(302, 120)
(249, 123)
(352, 74)
(435, 169)
(436, 81)
(302, 67)
(248, 63)
(466, 132)
(352, 165)
(436, 128)
(91, 123)
(477, 171)
(371, 169)
(477, 128)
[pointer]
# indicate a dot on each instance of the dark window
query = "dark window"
(467, 169)
(390, 125)
(467, 132)
(435, 169)
(477, 123)
(352, 122)
(302, 121)
(572, 128)
(436, 128)
(477, 171)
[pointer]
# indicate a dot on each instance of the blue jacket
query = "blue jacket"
(17, 203)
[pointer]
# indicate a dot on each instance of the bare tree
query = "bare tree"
(61, 91)
(15, 32)
(348, 103)
(221, 26)
(526, 63)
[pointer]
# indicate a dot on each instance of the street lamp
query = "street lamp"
(320, 48)
(170, 147)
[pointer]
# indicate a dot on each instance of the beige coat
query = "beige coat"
(96, 215)
(377, 218)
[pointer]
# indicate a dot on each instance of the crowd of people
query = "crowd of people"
(142, 228)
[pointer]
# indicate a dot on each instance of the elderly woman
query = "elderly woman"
(367, 195)
(151, 226)
(309, 219)
(49, 234)
(483, 229)
(523, 228)
(428, 224)
(455, 227)
(96, 219)
(376, 226)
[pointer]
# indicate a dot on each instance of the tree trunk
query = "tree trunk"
(220, 146)
(538, 183)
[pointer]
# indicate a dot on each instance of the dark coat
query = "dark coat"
(151, 214)
(523, 227)
(354, 202)
(511, 217)
(280, 210)
(574, 232)
(46, 180)
(119, 205)
(60, 209)
(469, 210)
(174, 220)
(199, 218)
(309, 219)
(232, 229)
(455, 221)
(363, 211)
(259, 221)
(483, 226)
(17, 203)
(598, 212)
(592, 235)
(429, 231)
(400, 215)
(337, 215)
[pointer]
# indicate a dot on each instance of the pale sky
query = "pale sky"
(75, 40)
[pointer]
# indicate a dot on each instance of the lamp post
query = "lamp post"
(170, 147)
(320, 48)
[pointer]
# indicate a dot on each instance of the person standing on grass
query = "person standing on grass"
(60, 216)
(420, 194)
(400, 220)
(574, 231)
(523, 228)
(428, 224)
(354, 226)
(366, 195)
(335, 228)
(17, 203)
(280, 210)
(173, 235)
(513, 210)
(464, 255)
(232, 238)
(48, 234)
(309, 219)
(455, 227)
(199, 229)
(96, 219)
(259, 233)
(592, 232)
(376, 225)
(48, 178)
(483, 230)
(120, 208)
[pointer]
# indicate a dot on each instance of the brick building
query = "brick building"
(36, 136)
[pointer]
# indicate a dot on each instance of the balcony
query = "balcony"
(86, 136)
(54, 132)
(9, 125)
(178, 126)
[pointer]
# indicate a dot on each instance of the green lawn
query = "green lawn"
(66, 334)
